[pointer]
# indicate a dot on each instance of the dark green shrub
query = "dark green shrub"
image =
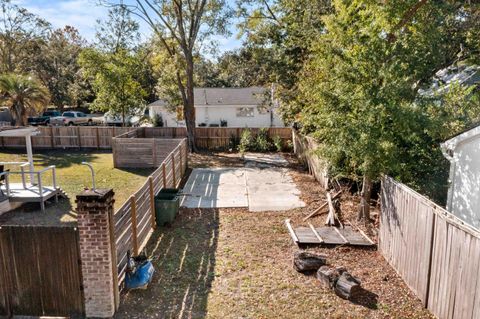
(233, 142)
(262, 142)
(278, 143)
(158, 121)
(247, 141)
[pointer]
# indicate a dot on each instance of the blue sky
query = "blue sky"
(82, 14)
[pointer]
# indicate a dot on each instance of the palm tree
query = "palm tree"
(22, 92)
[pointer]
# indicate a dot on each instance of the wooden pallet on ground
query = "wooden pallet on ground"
(328, 236)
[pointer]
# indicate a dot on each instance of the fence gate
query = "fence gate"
(40, 271)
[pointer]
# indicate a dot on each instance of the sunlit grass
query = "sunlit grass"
(73, 177)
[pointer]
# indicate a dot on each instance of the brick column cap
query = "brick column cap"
(97, 195)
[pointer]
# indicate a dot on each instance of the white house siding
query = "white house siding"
(214, 114)
(169, 118)
(464, 192)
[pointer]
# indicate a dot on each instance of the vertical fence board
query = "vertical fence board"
(304, 148)
(134, 221)
(47, 276)
(436, 254)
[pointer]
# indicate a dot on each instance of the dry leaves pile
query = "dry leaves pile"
(230, 263)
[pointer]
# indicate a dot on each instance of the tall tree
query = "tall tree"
(360, 87)
(57, 66)
(114, 78)
(22, 93)
(180, 27)
(279, 34)
(119, 31)
(21, 34)
(113, 68)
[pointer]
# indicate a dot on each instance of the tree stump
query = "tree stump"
(304, 261)
(328, 276)
(347, 286)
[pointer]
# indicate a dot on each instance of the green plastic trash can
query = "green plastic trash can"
(168, 192)
(167, 205)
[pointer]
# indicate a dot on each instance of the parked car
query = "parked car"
(71, 118)
(111, 119)
(44, 119)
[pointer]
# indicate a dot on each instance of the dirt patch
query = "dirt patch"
(229, 263)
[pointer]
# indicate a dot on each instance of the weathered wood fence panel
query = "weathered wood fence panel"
(135, 220)
(68, 137)
(101, 137)
(437, 255)
(304, 147)
(40, 271)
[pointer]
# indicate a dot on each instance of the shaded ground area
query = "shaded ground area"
(72, 177)
(230, 263)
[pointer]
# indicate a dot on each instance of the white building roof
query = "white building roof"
(463, 137)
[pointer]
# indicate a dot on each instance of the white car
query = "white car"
(111, 119)
(71, 118)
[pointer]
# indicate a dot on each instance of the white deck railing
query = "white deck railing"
(38, 174)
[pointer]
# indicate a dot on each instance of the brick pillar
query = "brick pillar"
(97, 252)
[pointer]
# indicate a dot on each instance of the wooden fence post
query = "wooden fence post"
(181, 161)
(152, 203)
(164, 173)
(79, 137)
(52, 137)
(173, 170)
(154, 152)
(98, 137)
(133, 212)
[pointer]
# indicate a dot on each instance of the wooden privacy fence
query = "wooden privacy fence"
(134, 149)
(305, 147)
(437, 255)
(69, 137)
(40, 272)
(135, 220)
(101, 137)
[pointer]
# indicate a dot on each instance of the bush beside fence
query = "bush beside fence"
(436, 254)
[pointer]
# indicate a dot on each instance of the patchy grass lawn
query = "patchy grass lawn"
(230, 263)
(73, 177)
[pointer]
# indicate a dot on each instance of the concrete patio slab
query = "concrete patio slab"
(260, 188)
(215, 188)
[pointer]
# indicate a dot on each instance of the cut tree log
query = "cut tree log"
(347, 286)
(328, 276)
(316, 211)
(304, 261)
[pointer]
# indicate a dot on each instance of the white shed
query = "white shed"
(463, 152)
(232, 107)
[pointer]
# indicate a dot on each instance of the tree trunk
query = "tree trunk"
(304, 261)
(364, 209)
(189, 105)
(18, 114)
(347, 286)
(328, 276)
